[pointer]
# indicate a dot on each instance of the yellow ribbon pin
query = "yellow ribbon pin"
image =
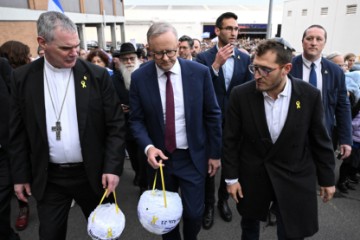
(83, 84)
(298, 105)
(154, 219)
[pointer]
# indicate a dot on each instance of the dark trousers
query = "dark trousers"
(210, 191)
(181, 173)
(6, 192)
(138, 162)
(251, 227)
(64, 184)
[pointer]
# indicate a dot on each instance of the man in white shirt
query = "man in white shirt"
(66, 128)
(276, 147)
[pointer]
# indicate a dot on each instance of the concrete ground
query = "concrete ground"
(339, 219)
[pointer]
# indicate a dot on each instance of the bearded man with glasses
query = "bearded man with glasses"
(229, 68)
(276, 147)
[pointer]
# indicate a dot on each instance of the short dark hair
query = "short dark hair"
(283, 53)
(223, 16)
(188, 39)
(314, 26)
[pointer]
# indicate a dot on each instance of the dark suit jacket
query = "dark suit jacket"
(5, 72)
(334, 97)
(241, 74)
(286, 170)
(100, 122)
(202, 113)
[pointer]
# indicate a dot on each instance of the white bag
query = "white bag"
(159, 211)
(106, 222)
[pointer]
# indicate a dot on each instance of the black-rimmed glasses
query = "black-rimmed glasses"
(168, 53)
(263, 71)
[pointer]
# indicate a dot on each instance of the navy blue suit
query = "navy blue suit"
(203, 131)
(334, 97)
(241, 74)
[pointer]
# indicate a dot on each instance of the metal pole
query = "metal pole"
(268, 31)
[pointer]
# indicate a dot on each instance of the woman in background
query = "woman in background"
(100, 58)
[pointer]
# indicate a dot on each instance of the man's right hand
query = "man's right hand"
(235, 190)
(152, 154)
(222, 55)
(21, 189)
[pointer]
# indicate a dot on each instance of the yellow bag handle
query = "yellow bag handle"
(102, 199)
(162, 183)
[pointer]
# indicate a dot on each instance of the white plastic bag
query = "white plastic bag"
(154, 216)
(106, 222)
(158, 211)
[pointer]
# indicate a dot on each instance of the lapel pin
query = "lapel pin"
(83, 84)
(85, 78)
(238, 57)
(326, 72)
(298, 105)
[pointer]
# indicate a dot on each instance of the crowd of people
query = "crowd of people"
(271, 121)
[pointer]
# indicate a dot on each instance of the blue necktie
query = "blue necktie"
(312, 78)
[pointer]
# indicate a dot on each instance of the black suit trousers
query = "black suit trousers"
(6, 192)
(64, 184)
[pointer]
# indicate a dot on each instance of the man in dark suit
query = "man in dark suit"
(126, 61)
(174, 116)
(6, 186)
(229, 68)
(66, 128)
(330, 80)
(276, 147)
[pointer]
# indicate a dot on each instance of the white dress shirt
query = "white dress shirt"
(180, 123)
(67, 149)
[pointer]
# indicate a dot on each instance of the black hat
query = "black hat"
(127, 48)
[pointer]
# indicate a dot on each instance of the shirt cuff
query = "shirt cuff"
(231, 181)
(215, 72)
(147, 148)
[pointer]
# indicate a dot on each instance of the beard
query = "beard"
(126, 71)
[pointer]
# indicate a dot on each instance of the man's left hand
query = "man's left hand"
(326, 193)
(345, 151)
(110, 181)
(213, 166)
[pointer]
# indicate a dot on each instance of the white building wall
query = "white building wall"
(342, 29)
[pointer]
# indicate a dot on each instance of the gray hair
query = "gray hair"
(333, 55)
(49, 21)
(159, 28)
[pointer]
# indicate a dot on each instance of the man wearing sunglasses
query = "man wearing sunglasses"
(276, 147)
(229, 68)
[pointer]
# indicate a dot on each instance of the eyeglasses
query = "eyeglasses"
(168, 53)
(125, 59)
(263, 71)
(230, 29)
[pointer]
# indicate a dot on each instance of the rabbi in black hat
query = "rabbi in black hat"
(126, 61)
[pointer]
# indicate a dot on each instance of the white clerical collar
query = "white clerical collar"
(54, 69)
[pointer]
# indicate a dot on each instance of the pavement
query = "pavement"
(339, 219)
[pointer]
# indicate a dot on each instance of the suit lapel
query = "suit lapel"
(83, 84)
(188, 83)
(257, 107)
(37, 93)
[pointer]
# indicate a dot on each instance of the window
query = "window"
(289, 14)
(324, 11)
(351, 9)
(304, 12)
